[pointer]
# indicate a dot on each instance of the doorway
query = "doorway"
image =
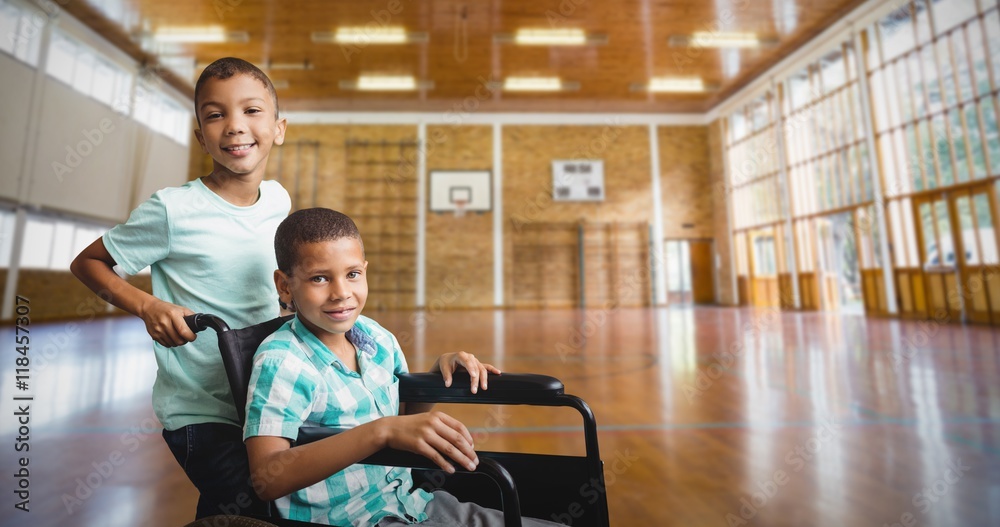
(838, 264)
(690, 271)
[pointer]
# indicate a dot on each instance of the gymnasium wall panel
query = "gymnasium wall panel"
(84, 156)
(528, 152)
(460, 250)
(685, 182)
(369, 173)
(163, 161)
(285, 165)
(14, 106)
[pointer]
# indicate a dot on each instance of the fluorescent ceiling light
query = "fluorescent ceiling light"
(383, 83)
(370, 35)
(711, 39)
(550, 37)
(387, 83)
(538, 84)
(532, 84)
(304, 65)
(270, 66)
(725, 40)
(198, 35)
(675, 85)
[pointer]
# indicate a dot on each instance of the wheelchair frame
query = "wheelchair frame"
(537, 485)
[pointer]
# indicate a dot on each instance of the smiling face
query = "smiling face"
(238, 125)
(328, 286)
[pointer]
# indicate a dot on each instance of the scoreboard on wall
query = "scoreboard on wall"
(578, 180)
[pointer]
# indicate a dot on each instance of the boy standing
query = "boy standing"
(330, 366)
(208, 245)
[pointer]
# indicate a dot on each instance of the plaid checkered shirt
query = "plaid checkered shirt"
(297, 381)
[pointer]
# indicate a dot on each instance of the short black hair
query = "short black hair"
(227, 67)
(310, 226)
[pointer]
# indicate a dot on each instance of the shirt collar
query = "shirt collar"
(356, 335)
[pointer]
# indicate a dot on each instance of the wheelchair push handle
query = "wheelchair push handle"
(200, 321)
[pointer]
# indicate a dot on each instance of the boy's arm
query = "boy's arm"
(164, 321)
(278, 469)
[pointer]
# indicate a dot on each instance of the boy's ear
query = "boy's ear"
(279, 136)
(282, 284)
(201, 139)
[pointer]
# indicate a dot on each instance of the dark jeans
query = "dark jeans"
(215, 460)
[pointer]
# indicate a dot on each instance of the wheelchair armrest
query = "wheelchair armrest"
(507, 388)
(311, 434)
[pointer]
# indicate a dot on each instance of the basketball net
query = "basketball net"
(460, 207)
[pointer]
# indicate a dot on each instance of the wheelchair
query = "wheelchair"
(536, 485)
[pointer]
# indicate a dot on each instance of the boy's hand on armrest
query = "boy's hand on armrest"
(434, 435)
(449, 362)
(278, 469)
(165, 322)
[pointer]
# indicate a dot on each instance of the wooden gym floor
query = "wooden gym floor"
(812, 419)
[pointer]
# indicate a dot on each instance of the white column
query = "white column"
(10, 286)
(658, 267)
(880, 202)
(499, 338)
(498, 299)
(786, 197)
(421, 295)
(728, 191)
(27, 168)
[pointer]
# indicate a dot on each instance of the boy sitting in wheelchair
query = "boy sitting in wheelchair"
(330, 366)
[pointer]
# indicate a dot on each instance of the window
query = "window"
(162, 114)
(36, 249)
(51, 243)
(933, 69)
(21, 32)
(827, 157)
(61, 60)
(764, 264)
(184, 66)
(88, 73)
(117, 10)
(8, 219)
(950, 13)
(754, 164)
(942, 90)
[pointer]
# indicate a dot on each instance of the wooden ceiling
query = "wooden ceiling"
(461, 51)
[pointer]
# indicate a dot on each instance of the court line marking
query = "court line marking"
(631, 427)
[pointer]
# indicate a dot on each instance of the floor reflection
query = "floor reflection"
(805, 418)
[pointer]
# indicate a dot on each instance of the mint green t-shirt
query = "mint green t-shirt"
(209, 256)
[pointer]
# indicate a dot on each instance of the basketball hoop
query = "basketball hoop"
(460, 207)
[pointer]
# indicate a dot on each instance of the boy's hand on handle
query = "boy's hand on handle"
(434, 435)
(165, 323)
(478, 371)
